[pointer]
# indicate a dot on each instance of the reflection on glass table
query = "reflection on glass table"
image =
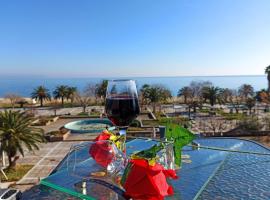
(204, 174)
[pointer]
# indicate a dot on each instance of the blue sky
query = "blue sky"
(86, 38)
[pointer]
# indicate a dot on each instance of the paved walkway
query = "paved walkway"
(45, 160)
(47, 111)
(54, 126)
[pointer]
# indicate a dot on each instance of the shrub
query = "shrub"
(251, 123)
(135, 123)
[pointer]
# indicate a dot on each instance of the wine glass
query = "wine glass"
(122, 105)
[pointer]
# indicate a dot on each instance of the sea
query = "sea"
(24, 86)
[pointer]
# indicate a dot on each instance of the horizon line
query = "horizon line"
(158, 76)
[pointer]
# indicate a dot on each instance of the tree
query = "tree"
(143, 93)
(212, 93)
(83, 99)
(91, 91)
(250, 103)
(54, 106)
(216, 126)
(41, 93)
(198, 92)
(262, 96)
(186, 92)
(251, 123)
(235, 99)
(13, 98)
(246, 91)
(21, 102)
(101, 89)
(267, 71)
(61, 92)
(16, 134)
(224, 95)
(156, 94)
(71, 93)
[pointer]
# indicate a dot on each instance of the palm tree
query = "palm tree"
(224, 95)
(186, 92)
(61, 92)
(41, 93)
(246, 91)
(16, 134)
(156, 94)
(101, 89)
(212, 94)
(267, 71)
(71, 92)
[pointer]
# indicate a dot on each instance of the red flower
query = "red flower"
(103, 136)
(148, 182)
(101, 151)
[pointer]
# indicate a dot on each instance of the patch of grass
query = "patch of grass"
(204, 110)
(83, 114)
(15, 174)
(135, 129)
(150, 122)
(175, 120)
(164, 120)
(233, 116)
(87, 114)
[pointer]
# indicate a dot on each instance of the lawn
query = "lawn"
(231, 116)
(16, 174)
(175, 120)
(87, 114)
(150, 122)
(203, 110)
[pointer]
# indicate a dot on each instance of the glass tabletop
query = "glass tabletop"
(204, 174)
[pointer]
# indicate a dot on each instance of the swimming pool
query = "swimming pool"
(205, 173)
(88, 125)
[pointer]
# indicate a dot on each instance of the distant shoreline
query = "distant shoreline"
(24, 86)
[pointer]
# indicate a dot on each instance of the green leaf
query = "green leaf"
(180, 136)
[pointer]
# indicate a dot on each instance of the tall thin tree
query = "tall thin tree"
(267, 71)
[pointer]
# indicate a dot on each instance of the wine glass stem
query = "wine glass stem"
(123, 134)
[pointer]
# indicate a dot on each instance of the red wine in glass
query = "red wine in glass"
(122, 110)
(122, 105)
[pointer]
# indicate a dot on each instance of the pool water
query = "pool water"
(205, 174)
(88, 125)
